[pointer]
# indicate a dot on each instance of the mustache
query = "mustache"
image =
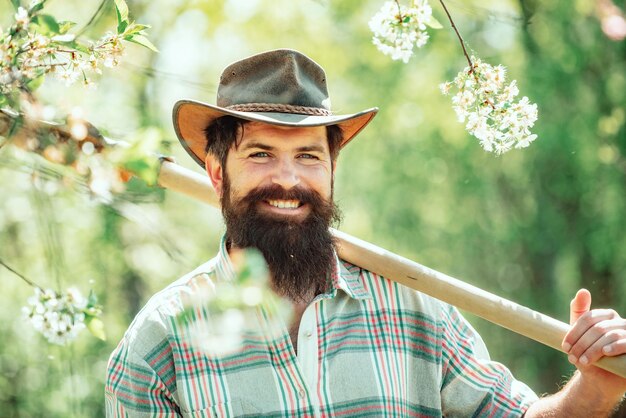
(276, 192)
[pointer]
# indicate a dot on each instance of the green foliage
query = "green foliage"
(533, 225)
(143, 41)
(46, 25)
(121, 10)
(65, 26)
(92, 314)
(139, 157)
(36, 6)
(96, 327)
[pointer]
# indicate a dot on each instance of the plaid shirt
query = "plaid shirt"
(369, 347)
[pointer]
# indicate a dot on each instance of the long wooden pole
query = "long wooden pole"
(500, 311)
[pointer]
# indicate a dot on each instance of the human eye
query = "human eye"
(259, 154)
(308, 156)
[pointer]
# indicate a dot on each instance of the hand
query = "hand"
(594, 334)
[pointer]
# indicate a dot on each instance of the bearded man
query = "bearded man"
(358, 344)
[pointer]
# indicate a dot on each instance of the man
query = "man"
(358, 344)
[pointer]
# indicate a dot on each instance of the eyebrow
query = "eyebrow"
(260, 145)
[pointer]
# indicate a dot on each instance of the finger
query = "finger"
(583, 325)
(611, 341)
(579, 305)
(616, 348)
(590, 344)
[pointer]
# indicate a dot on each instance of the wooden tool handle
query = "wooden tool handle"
(500, 311)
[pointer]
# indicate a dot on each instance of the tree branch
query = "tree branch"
(457, 34)
(30, 282)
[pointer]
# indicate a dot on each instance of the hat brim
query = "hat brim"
(191, 119)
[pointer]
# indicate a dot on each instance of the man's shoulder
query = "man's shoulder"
(156, 316)
(379, 287)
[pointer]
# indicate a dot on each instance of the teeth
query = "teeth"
(285, 204)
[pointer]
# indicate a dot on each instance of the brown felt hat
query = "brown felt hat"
(281, 87)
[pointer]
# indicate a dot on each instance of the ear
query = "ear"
(214, 171)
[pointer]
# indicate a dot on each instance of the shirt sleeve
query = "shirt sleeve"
(134, 389)
(472, 384)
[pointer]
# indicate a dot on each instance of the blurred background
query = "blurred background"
(532, 225)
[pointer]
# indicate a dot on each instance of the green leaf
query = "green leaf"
(36, 7)
(47, 24)
(434, 23)
(138, 191)
(35, 83)
(96, 327)
(144, 169)
(65, 26)
(134, 28)
(15, 126)
(121, 27)
(143, 41)
(92, 299)
(16, 4)
(121, 10)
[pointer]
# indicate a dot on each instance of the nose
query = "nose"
(285, 174)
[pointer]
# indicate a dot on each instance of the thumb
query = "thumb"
(579, 305)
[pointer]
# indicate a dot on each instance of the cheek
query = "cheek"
(246, 177)
(321, 178)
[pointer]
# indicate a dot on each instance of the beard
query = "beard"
(299, 252)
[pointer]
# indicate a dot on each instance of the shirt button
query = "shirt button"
(302, 393)
(308, 334)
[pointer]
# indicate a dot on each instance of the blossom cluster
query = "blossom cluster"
(399, 29)
(71, 66)
(37, 45)
(489, 108)
(60, 317)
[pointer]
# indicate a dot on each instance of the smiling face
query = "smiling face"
(266, 156)
(276, 193)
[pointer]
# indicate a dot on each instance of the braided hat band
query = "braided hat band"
(280, 108)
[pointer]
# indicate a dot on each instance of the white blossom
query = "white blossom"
(445, 88)
(21, 17)
(487, 103)
(59, 317)
(399, 29)
(109, 49)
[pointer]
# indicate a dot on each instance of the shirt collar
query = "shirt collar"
(223, 265)
(344, 276)
(347, 277)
